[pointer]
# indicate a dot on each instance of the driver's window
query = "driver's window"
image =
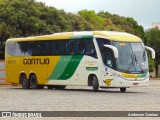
(107, 54)
(108, 60)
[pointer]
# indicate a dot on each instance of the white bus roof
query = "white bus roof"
(111, 35)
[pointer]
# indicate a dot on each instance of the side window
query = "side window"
(33, 48)
(74, 47)
(11, 48)
(40, 48)
(81, 47)
(106, 53)
(72, 50)
(101, 42)
(55, 47)
(24, 49)
(18, 48)
(109, 58)
(58, 48)
(90, 48)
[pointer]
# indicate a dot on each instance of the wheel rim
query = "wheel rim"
(33, 82)
(24, 82)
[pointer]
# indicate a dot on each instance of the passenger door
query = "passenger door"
(108, 59)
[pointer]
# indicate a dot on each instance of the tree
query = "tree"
(90, 16)
(138, 29)
(22, 18)
(125, 24)
(153, 40)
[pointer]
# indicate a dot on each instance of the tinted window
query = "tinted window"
(11, 48)
(81, 47)
(47, 48)
(107, 54)
(101, 42)
(57, 48)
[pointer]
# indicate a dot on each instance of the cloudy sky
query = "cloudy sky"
(145, 12)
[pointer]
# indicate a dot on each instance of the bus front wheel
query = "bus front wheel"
(123, 89)
(95, 84)
(24, 82)
(40, 86)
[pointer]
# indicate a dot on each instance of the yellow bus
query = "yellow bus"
(101, 59)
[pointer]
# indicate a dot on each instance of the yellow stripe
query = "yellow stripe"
(118, 36)
(60, 36)
(129, 75)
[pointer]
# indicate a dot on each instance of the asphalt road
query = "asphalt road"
(77, 98)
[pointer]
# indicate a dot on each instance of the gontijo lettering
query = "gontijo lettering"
(36, 61)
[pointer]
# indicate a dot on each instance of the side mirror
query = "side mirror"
(152, 51)
(115, 50)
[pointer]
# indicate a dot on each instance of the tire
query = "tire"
(95, 84)
(50, 86)
(24, 82)
(123, 89)
(33, 82)
(60, 87)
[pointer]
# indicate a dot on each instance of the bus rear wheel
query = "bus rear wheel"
(123, 89)
(40, 86)
(33, 82)
(24, 82)
(95, 84)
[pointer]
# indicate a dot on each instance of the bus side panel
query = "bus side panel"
(68, 71)
(11, 70)
(30, 65)
(88, 65)
(92, 67)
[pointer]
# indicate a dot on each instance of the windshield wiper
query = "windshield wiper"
(137, 63)
(134, 59)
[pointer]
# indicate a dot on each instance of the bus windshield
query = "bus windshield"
(132, 57)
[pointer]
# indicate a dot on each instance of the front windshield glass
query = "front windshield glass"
(132, 57)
